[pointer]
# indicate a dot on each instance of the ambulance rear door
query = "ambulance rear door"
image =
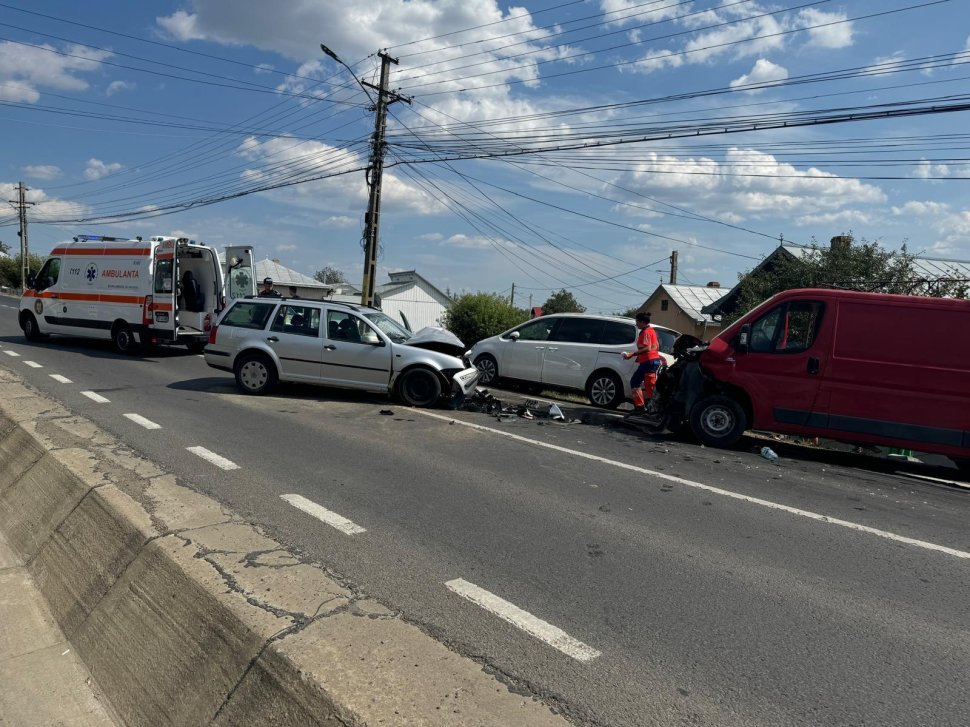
(162, 314)
(239, 273)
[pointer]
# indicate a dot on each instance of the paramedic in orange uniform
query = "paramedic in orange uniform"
(648, 356)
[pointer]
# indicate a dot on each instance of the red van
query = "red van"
(864, 368)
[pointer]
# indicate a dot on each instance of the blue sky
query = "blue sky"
(549, 144)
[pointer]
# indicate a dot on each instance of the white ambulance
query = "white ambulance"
(162, 290)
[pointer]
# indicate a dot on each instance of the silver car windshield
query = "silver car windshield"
(388, 326)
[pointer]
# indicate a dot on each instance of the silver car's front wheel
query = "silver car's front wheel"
(256, 374)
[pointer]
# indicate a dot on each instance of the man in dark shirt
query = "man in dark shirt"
(268, 290)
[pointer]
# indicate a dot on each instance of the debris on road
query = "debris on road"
(769, 454)
(387, 412)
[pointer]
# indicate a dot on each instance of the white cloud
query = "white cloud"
(343, 195)
(920, 209)
(748, 183)
(286, 248)
(119, 86)
(182, 26)
(834, 33)
(264, 68)
(97, 169)
(44, 172)
(473, 242)
(44, 207)
(339, 221)
(25, 70)
(928, 170)
(763, 72)
(844, 217)
(432, 237)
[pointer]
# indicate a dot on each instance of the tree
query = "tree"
(562, 302)
(865, 267)
(10, 269)
(474, 316)
(329, 275)
(4, 247)
(631, 312)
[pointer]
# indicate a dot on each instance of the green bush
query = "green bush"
(474, 316)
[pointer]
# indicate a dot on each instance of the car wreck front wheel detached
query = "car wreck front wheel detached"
(419, 387)
(256, 374)
(718, 421)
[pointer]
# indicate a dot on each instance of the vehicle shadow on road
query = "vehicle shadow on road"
(97, 349)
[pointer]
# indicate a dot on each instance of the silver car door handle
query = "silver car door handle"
(540, 348)
(553, 348)
(329, 348)
(272, 339)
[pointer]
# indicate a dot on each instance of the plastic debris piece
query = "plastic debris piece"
(387, 412)
(556, 413)
(769, 454)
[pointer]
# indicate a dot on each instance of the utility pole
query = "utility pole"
(673, 268)
(21, 204)
(375, 173)
(512, 300)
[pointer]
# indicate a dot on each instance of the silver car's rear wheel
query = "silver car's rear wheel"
(256, 374)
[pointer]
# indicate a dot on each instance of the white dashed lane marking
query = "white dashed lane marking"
(12, 353)
(532, 625)
(713, 490)
(95, 397)
(142, 421)
(33, 364)
(347, 527)
(61, 379)
(214, 458)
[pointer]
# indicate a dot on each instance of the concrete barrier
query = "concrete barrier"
(187, 615)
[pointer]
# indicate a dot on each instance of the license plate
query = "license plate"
(467, 379)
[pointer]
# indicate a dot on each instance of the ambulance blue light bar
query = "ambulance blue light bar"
(99, 238)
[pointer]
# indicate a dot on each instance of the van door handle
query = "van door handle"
(329, 347)
(272, 339)
(813, 365)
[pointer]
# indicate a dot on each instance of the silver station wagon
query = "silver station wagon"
(267, 340)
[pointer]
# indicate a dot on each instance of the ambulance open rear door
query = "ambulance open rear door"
(160, 314)
(239, 273)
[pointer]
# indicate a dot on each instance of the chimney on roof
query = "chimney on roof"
(841, 242)
(713, 284)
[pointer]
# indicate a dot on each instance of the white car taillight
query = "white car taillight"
(212, 334)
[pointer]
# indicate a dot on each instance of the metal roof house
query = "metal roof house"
(410, 297)
(680, 307)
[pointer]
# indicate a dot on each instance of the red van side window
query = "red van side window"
(789, 328)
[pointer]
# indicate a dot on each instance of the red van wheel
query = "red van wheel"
(718, 421)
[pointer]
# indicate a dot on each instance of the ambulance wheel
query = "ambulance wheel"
(123, 339)
(256, 374)
(717, 421)
(605, 389)
(31, 331)
(419, 387)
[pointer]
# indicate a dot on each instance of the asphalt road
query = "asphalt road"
(663, 583)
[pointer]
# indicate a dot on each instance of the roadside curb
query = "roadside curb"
(187, 615)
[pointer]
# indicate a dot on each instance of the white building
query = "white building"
(409, 297)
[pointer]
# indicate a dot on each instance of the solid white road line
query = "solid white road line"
(12, 353)
(33, 364)
(142, 421)
(713, 490)
(555, 637)
(95, 397)
(214, 458)
(347, 527)
(61, 379)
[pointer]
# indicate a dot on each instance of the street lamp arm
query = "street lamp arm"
(360, 83)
